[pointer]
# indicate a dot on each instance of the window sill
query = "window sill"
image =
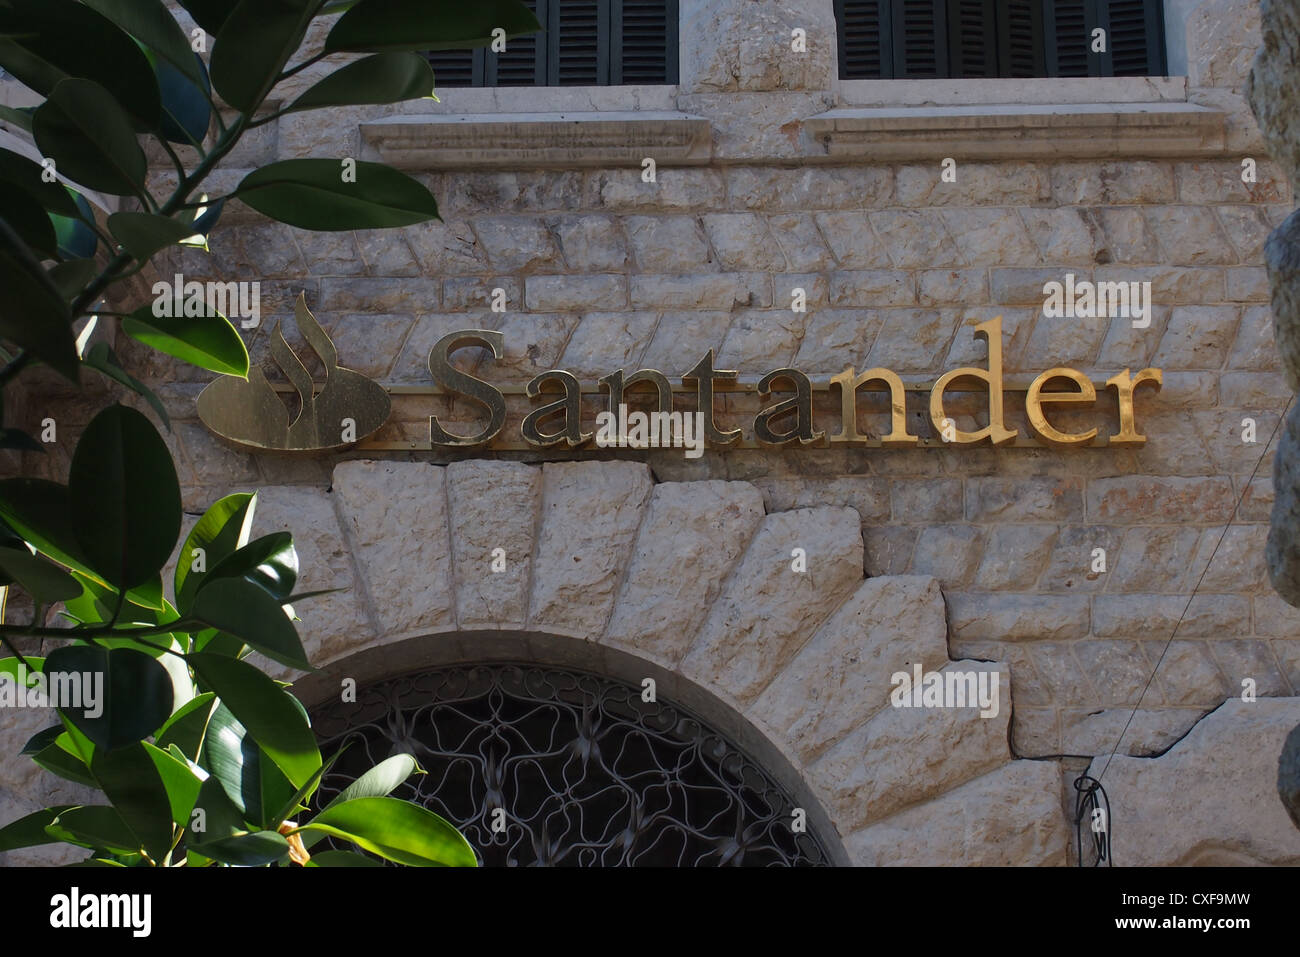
(539, 140)
(1019, 131)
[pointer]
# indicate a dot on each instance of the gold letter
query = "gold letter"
(849, 385)
(800, 404)
(1124, 386)
(454, 380)
(704, 375)
(570, 407)
(1035, 400)
(998, 433)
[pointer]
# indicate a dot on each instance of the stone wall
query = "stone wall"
(602, 270)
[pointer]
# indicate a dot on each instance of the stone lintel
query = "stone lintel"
(1018, 131)
(533, 140)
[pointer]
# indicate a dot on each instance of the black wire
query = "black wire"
(1086, 804)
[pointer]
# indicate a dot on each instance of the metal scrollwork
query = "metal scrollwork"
(544, 766)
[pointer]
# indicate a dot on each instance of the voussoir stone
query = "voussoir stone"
(395, 514)
(590, 515)
(905, 755)
(691, 537)
(1212, 798)
(842, 676)
(493, 505)
(1010, 816)
(769, 609)
(335, 624)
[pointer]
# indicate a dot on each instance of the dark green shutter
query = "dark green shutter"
(452, 67)
(644, 48)
(972, 38)
(1135, 37)
(519, 65)
(1020, 38)
(920, 38)
(577, 43)
(1069, 39)
(862, 31)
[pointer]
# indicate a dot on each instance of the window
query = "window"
(582, 43)
(988, 38)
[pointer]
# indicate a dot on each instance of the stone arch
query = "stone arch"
(692, 583)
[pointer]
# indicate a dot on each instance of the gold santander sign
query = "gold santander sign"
(347, 408)
(789, 420)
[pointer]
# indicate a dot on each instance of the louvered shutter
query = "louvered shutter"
(644, 47)
(1020, 38)
(972, 38)
(1069, 38)
(577, 51)
(1135, 37)
(519, 65)
(452, 67)
(920, 38)
(862, 28)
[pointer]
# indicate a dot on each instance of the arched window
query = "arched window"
(544, 765)
(884, 39)
(582, 43)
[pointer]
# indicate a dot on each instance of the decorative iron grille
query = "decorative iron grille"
(585, 771)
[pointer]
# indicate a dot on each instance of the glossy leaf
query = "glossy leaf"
(247, 611)
(40, 511)
(428, 25)
(209, 14)
(137, 692)
(382, 78)
(82, 127)
(270, 561)
(45, 582)
(60, 761)
(104, 360)
(251, 780)
(186, 727)
(253, 849)
(342, 859)
(186, 109)
(26, 217)
(29, 830)
(269, 713)
(76, 239)
(72, 275)
(63, 38)
(252, 47)
(379, 781)
(125, 498)
(209, 342)
(179, 780)
(223, 529)
(143, 234)
(396, 830)
(26, 175)
(311, 194)
(152, 24)
(98, 826)
(132, 782)
(33, 314)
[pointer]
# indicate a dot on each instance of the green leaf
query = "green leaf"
(180, 782)
(143, 234)
(342, 859)
(29, 830)
(45, 582)
(33, 314)
(270, 714)
(21, 117)
(396, 830)
(125, 498)
(186, 727)
(103, 359)
(76, 239)
(252, 47)
(209, 14)
(58, 760)
(136, 692)
(380, 780)
(98, 826)
(382, 78)
(225, 836)
(187, 111)
(26, 217)
(63, 38)
(133, 783)
(270, 561)
(41, 739)
(246, 850)
(311, 194)
(223, 529)
(40, 511)
(251, 780)
(250, 613)
(72, 276)
(25, 174)
(209, 342)
(91, 138)
(428, 25)
(150, 23)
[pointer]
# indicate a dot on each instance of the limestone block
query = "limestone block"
(1212, 798)
(1274, 85)
(1010, 816)
(769, 609)
(493, 505)
(735, 45)
(590, 515)
(843, 674)
(690, 540)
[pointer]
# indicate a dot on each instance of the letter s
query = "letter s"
(464, 384)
